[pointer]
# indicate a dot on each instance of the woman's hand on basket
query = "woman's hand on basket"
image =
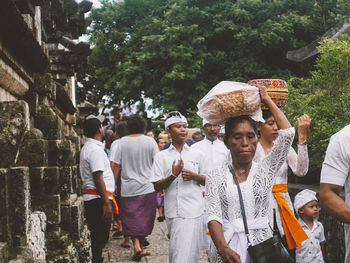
(263, 93)
(229, 256)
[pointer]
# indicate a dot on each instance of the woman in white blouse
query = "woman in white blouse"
(256, 180)
(287, 223)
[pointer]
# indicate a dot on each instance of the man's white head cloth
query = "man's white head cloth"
(304, 197)
(174, 118)
(204, 122)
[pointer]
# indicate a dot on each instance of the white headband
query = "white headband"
(175, 119)
(304, 197)
(101, 118)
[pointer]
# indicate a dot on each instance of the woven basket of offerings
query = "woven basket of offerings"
(276, 88)
(228, 99)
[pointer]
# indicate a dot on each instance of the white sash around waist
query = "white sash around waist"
(235, 235)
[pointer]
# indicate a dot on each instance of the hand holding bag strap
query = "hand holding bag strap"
(241, 203)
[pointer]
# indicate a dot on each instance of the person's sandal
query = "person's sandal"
(115, 226)
(146, 243)
(145, 254)
(117, 234)
(161, 218)
(125, 246)
(137, 257)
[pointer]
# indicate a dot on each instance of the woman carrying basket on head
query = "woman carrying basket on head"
(287, 224)
(225, 223)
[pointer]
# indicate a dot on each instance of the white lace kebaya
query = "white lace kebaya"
(223, 205)
(299, 164)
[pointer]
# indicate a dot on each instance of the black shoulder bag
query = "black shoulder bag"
(269, 251)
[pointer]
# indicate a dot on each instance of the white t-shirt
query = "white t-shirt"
(135, 155)
(311, 252)
(92, 159)
(182, 198)
(336, 170)
(113, 149)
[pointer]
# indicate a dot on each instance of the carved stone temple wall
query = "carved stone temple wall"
(41, 208)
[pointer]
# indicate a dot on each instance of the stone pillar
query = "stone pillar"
(18, 199)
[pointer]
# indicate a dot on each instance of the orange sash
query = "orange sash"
(94, 192)
(292, 229)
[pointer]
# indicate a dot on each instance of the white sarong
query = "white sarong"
(235, 235)
(186, 235)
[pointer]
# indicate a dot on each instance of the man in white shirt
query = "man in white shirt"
(214, 149)
(215, 152)
(334, 176)
(179, 171)
(98, 185)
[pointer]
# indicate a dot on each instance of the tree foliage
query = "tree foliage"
(174, 51)
(325, 97)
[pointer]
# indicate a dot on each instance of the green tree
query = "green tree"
(325, 97)
(174, 51)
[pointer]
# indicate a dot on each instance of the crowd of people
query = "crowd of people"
(222, 193)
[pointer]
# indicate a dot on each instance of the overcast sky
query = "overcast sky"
(96, 3)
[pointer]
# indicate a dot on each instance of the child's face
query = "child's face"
(310, 210)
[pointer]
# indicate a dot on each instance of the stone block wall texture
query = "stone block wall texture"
(18, 200)
(41, 210)
(40, 205)
(14, 121)
(33, 153)
(3, 206)
(36, 235)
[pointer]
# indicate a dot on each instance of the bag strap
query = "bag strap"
(241, 203)
(275, 227)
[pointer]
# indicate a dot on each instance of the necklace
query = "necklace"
(242, 171)
(242, 174)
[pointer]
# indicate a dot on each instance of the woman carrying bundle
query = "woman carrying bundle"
(255, 180)
(287, 224)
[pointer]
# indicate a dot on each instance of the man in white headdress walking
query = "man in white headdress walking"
(179, 171)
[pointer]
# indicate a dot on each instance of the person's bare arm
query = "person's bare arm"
(304, 123)
(116, 170)
(101, 190)
(164, 183)
(280, 118)
(217, 235)
(332, 203)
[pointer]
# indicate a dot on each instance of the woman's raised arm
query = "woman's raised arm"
(280, 118)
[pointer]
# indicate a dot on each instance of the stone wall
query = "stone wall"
(41, 208)
(40, 204)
